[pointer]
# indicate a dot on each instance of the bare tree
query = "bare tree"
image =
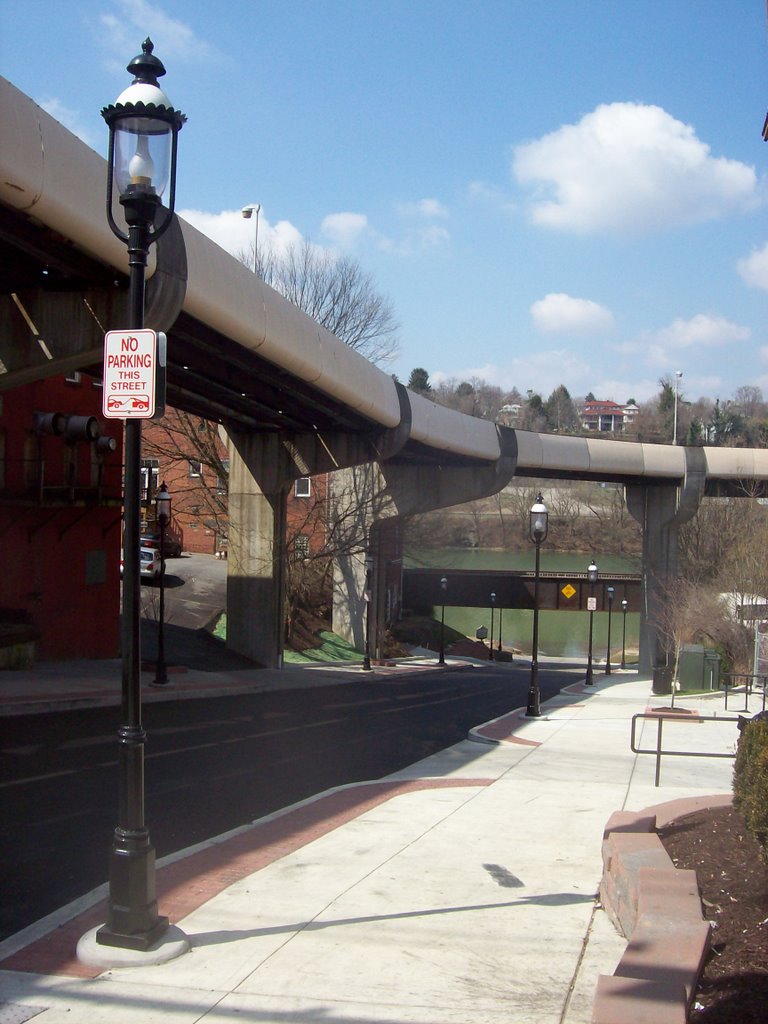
(336, 292)
(692, 613)
(180, 440)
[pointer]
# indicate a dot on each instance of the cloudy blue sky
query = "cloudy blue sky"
(549, 191)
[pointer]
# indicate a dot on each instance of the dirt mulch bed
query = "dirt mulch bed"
(733, 881)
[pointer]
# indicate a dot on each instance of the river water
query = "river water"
(561, 634)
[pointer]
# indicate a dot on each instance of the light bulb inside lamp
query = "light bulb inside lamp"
(141, 167)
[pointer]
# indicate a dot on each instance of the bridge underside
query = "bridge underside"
(56, 303)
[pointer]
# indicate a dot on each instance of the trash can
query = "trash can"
(690, 667)
(699, 668)
(662, 679)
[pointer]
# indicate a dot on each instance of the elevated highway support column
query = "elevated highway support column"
(255, 574)
(661, 509)
(398, 489)
(263, 467)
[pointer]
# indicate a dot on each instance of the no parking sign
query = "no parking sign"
(134, 365)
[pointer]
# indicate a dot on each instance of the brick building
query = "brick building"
(60, 522)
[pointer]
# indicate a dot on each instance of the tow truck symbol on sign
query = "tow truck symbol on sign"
(123, 403)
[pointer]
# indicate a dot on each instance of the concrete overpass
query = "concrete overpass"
(293, 400)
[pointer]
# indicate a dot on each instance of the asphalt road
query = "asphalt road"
(195, 591)
(214, 764)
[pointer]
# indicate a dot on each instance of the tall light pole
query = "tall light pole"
(624, 606)
(538, 524)
(247, 212)
(143, 134)
(591, 605)
(367, 599)
(501, 613)
(490, 645)
(163, 505)
(443, 588)
(610, 592)
(678, 375)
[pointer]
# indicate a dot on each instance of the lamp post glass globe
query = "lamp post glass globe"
(163, 504)
(143, 133)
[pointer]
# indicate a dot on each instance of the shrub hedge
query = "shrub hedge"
(750, 780)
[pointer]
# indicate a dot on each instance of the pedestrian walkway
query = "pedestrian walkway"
(60, 686)
(459, 889)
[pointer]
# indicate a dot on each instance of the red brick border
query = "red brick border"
(185, 884)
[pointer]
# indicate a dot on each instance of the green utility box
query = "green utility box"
(699, 668)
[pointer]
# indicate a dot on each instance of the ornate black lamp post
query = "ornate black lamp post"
(143, 133)
(624, 606)
(610, 592)
(163, 505)
(591, 605)
(367, 598)
(537, 529)
(498, 645)
(443, 588)
(490, 644)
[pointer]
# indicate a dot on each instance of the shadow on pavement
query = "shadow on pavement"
(193, 648)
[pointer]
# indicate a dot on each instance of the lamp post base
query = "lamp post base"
(132, 918)
(533, 710)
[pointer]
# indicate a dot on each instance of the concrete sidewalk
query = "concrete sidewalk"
(462, 888)
(62, 686)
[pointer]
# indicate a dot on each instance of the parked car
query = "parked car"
(173, 541)
(151, 565)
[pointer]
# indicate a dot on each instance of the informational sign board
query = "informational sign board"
(591, 604)
(130, 372)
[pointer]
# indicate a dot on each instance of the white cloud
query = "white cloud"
(558, 313)
(754, 268)
(344, 229)
(684, 339)
(423, 208)
(123, 32)
(629, 167)
(233, 232)
(701, 331)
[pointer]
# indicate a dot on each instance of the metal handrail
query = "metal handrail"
(660, 718)
(751, 682)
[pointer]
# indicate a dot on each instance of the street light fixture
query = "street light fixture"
(592, 575)
(143, 135)
(444, 588)
(624, 606)
(538, 524)
(498, 645)
(247, 212)
(367, 599)
(610, 593)
(678, 375)
(490, 645)
(163, 506)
